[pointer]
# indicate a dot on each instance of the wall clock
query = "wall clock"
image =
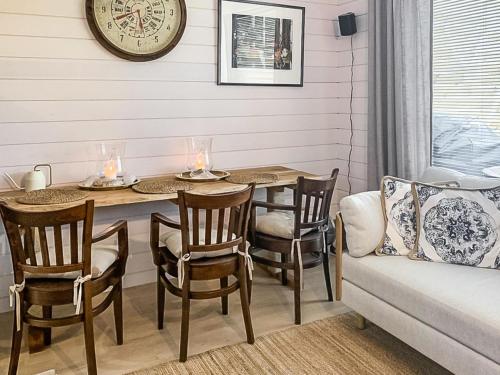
(137, 30)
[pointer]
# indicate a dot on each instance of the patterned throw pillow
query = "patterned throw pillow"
(399, 215)
(460, 226)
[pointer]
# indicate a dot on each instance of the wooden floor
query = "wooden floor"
(145, 346)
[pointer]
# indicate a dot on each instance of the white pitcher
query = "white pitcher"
(34, 180)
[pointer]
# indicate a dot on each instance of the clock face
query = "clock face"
(137, 29)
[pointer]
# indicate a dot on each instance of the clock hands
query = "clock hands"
(141, 25)
(125, 15)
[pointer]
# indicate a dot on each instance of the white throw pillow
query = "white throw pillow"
(363, 222)
(456, 225)
(399, 217)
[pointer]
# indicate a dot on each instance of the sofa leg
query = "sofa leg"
(360, 321)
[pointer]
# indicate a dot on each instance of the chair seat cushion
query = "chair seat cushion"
(278, 224)
(461, 302)
(173, 240)
(102, 258)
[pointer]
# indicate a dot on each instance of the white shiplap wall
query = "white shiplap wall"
(360, 106)
(60, 92)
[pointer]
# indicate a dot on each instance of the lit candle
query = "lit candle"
(199, 163)
(110, 169)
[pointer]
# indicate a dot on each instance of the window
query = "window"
(466, 85)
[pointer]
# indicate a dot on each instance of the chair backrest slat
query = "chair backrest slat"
(73, 229)
(220, 225)
(196, 224)
(208, 226)
(44, 246)
(29, 245)
(23, 224)
(307, 207)
(58, 245)
(215, 207)
(316, 205)
(231, 223)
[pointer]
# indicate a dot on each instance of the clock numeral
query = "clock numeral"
(110, 25)
(121, 37)
(103, 9)
(156, 39)
(171, 12)
(168, 27)
(139, 43)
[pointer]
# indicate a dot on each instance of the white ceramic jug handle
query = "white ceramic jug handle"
(50, 171)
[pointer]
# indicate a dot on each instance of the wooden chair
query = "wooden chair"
(58, 275)
(189, 252)
(302, 228)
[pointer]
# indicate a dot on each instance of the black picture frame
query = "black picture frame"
(220, 50)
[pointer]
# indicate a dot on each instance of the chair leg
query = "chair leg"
(284, 271)
(186, 303)
(249, 287)
(118, 312)
(160, 299)
(245, 305)
(224, 299)
(297, 290)
(47, 332)
(88, 328)
(326, 269)
(15, 351)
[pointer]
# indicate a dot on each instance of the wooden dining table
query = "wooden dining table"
(286, 177)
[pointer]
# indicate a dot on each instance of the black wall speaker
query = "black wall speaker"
(347, 23)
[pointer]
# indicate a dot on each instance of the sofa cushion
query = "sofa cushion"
(461, 302)
(172, 238)
(458, 225)
(102, 258)
(363, 222)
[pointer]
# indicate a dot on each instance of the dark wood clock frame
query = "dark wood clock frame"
(101, 38)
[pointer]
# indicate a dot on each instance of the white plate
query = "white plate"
(492, 171)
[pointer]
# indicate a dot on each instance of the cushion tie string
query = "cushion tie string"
(77, 291)
(299, 259)
(324, 229)
(248, 261)
(14, 291)
(180, 268)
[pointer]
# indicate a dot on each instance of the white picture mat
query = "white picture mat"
(228, 74)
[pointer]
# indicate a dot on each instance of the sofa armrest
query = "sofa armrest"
(339, 228)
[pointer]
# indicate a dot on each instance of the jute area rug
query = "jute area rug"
(330, 346)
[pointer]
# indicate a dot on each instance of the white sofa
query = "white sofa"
(450, 313)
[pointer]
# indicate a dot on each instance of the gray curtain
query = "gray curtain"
(399, 81)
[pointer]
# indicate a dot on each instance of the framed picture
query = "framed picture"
(260, 44)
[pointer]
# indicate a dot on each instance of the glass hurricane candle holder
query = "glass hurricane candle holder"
(199, 156)
(110, 159)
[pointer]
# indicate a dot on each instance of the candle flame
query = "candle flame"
(110, 169)
(200, 162)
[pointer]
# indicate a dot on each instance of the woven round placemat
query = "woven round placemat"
(52, 196)
(248, 178)
(161, 186)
